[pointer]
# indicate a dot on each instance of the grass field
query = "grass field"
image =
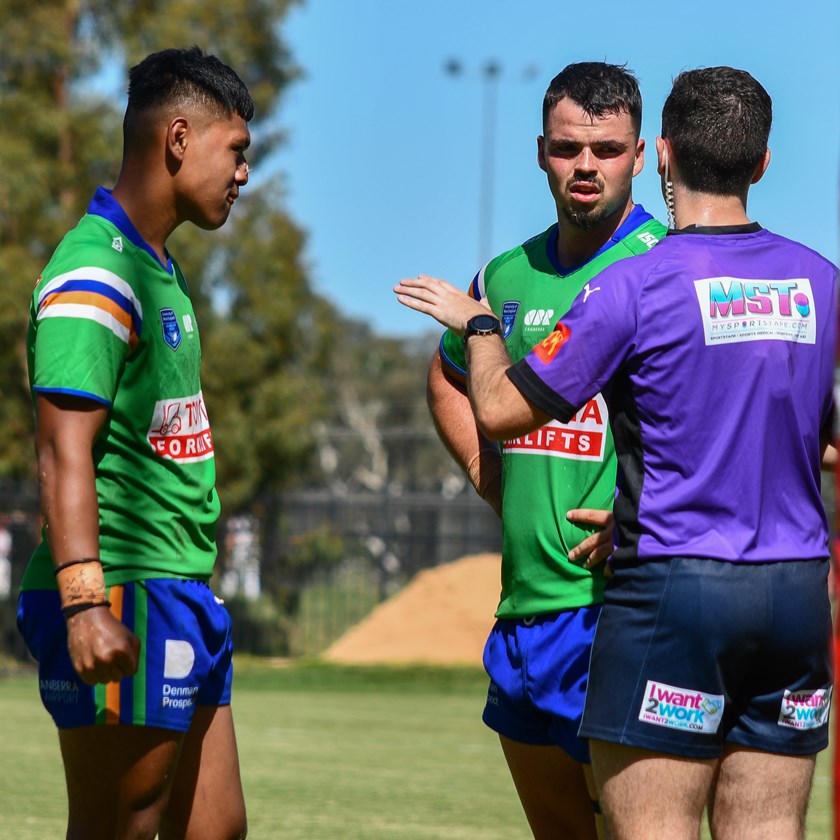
(327, 753)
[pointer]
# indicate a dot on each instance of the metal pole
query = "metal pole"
(486, 194)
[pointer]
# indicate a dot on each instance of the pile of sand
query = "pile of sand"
(442, 617)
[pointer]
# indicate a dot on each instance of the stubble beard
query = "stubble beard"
(584, 219)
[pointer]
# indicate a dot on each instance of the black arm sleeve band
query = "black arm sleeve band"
(537, 392)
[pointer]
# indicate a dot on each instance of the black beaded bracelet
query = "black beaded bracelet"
(70, 563)
(75, 609)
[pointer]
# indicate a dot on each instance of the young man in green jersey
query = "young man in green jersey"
(134, 650)
(554, 488)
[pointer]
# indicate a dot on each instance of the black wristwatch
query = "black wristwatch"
(483, 325)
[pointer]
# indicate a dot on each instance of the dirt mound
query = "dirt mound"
(442, 617)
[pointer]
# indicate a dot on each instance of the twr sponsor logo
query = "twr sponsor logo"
(180, 429)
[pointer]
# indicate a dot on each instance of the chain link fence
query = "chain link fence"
(299, 570)
(303, 567)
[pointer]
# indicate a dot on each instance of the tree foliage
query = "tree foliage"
(285, 377)
(61, 139)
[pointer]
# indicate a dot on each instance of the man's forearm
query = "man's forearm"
(501, 411)
(452, 415)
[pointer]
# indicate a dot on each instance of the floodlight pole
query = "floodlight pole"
(486, 193)
(487, 176)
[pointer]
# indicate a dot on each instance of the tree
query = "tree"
(260, 320)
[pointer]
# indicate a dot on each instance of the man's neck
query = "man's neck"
(708, 210)
(151, 216)
(576, 245)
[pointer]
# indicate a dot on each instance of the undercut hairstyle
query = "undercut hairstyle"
(184, 78)
(599, 89)
(717, 120)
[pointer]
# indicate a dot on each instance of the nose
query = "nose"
(243, 170)
(586, 161)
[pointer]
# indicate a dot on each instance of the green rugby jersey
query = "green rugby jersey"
(560, 466)
(110, 323)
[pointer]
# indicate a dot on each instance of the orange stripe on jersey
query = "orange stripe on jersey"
(90, 299)
(112, 690)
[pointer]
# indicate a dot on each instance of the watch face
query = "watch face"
(484, 322)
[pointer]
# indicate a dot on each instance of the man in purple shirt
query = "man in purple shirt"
(710, 678)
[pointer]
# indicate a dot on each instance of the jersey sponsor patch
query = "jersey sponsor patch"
(583, 438)
(734, 310)
(537, 318)
(805, 709)
(171, 330)
(180, 430)
(548, 348)
(681, 708)
(509, 310)
(647, 239)
(178, 660)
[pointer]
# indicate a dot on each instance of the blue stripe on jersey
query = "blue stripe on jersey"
(99, 288)
(127, 686)
(448, 360)
(40, 389)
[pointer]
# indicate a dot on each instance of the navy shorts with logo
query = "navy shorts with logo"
(538, 673)
(185, 656)
(692, 654)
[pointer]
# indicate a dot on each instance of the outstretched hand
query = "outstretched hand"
(445, 303)
(597, 547)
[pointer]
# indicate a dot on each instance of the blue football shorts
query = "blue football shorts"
(185, 656)
(693, 654)
(538, 673)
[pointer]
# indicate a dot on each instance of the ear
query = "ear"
(639, 163)
(663, 152)
(761, 168)
(541, 152)
(177, 136)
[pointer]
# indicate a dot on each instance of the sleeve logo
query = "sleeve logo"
(548, 348)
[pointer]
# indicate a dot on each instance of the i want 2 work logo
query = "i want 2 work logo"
(681, 708)
(735, 309)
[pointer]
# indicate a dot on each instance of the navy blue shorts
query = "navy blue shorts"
(185, 656)
(538, 671)
(692, 654)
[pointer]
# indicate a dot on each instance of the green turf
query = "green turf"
(327, 752)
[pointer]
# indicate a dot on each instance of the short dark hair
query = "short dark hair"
(717, 120)
(186, 76)
(598, 88)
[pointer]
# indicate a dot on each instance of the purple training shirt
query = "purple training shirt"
(715, 352)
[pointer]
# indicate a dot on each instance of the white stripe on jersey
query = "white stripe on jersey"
(100, 275)
(92, 313)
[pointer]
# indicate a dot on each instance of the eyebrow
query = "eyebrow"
(568, 141)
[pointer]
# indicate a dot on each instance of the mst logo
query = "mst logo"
(735, 309)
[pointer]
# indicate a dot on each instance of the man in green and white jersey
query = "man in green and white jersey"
(554, 487)
(134, 651)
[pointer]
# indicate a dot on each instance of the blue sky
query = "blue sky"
(383, 161)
